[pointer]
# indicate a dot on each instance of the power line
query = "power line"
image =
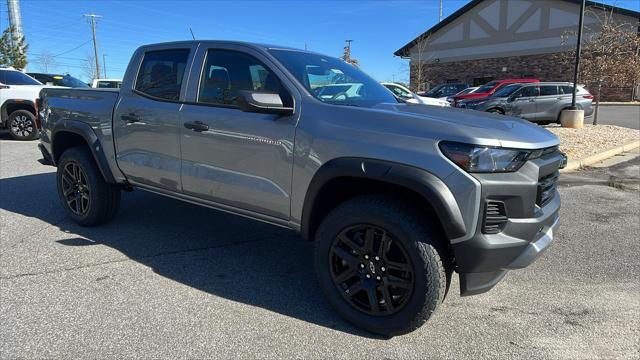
(75, 48)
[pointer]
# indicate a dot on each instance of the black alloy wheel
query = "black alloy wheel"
(371, 270)
(75, 188)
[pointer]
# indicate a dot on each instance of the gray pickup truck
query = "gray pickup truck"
(395, 196)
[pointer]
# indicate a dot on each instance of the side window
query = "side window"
(227, 72)
(567, 90)
(547, 90)
(527, 91)
(400, 92)
(161, 73)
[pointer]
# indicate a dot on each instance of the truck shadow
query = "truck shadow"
(221, 254)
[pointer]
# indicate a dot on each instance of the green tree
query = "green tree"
(13, 50)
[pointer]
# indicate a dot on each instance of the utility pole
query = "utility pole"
(104, 65)
(15, 19)
(440, 17)
(95, 45)
(347, 51)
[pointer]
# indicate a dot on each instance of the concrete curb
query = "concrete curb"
(574, 165)
(618, 104)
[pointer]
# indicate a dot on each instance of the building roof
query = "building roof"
(404, 51)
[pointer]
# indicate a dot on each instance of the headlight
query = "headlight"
(484, 159)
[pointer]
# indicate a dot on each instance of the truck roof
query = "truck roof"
(226, 42)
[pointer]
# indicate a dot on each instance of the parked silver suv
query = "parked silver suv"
(540, 102)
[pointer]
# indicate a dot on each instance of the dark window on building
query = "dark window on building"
(226, 73)
(548, 90)
(161, 73)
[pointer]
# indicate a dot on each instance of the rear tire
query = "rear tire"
(22, 125)
(411, 276)
(84, 194)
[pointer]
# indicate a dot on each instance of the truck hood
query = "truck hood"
(469, 126)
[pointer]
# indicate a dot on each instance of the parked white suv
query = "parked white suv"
(18, 94)
(411, 97)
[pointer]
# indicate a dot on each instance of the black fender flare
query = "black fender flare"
(4, 115)
(89, 136)
(421, 181)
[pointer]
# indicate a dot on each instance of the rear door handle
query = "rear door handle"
(130, 118)
(532, 100)
(196, 126)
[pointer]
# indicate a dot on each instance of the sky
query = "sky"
(377, 28)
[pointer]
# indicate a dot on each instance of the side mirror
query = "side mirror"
(262, 102)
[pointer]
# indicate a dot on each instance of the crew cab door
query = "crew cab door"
(146, 120)
(234, 158)
(523, 102)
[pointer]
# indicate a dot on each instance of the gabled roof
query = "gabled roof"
(404, 51)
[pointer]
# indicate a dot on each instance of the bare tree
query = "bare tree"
(90, 67)
(610, 55)
(419, 76)
(46, 61)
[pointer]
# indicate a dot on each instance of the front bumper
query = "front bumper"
(527, 230)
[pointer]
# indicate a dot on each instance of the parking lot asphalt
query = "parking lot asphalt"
(169, 279)
(626, 116)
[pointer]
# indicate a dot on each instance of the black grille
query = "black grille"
(495, 216)
(546, 188)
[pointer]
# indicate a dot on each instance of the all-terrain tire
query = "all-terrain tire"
(22, 125)
(102, 200)
(424, 244)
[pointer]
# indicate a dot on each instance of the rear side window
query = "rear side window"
(226, 73)
(567, 89)
(161, 73)
(13, 77)
(547, 90)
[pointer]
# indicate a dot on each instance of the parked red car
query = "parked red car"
(489, 88)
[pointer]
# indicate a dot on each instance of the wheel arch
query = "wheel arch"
(12, 105)
(362, 175)
(71, 133)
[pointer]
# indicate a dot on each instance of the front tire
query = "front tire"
(380, 265)
(84, 194)
(22, 125)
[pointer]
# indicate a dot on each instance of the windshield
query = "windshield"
(333, 81)
(13, 77)
(507, 90)
(486, 87)
(68, 81)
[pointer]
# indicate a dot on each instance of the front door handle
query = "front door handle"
(532, 100)
(196, 126)
(130, 118)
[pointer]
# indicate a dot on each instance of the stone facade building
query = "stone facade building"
(499, 39)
